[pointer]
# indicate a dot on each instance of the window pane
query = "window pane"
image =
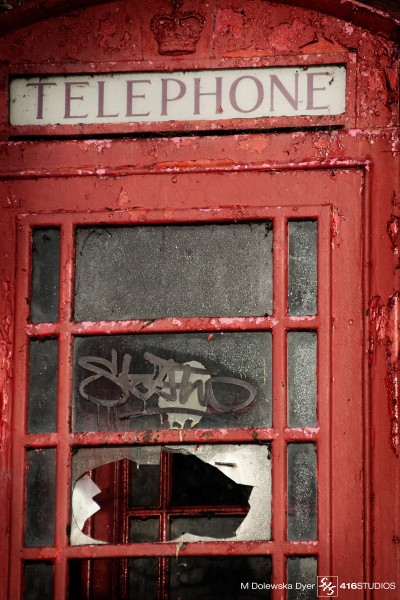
(144, 485)
(144, 530)
(234, 484)
(38, 581)
(220, 578)
(213, 527)
(302, 575)
(302, 378)
(142, 579)
(98, 579)
(45, 275)
(43, 369)
(172, 381)
(302, 492)
(175, 270)
(40, 502)
(303, 243)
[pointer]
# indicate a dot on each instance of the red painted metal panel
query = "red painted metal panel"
(347, 177)
(347, 185)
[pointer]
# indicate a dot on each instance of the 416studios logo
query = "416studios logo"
(328, 587)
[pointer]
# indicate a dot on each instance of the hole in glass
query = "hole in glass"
(232, 481)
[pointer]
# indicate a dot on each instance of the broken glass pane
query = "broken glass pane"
(211, 527)
(302, 575)
(154, 272)
(244, 470)
(302, 492)
(220, 578)
(38, 581)
(43, 370)
(172, 381)
(40, 497)
(302, 378)
(45, 275)
(303, 244)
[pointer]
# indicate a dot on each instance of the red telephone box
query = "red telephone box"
(199, 339)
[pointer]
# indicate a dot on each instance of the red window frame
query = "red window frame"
(278, 548)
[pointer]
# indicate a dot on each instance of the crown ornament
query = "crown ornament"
(177, 32)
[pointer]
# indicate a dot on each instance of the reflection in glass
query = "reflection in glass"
(40, 499)
(45, 275)
(302, 378)
(43, 369)
(165, 381)
(302, 570)
(38, 581)
(303, 245)
(302, 492)
(155, 272)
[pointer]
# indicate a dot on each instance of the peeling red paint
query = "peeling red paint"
(393, 229)
(5, 360)
(254, 143)
(336, 222)
(123, 198)
(384, 323)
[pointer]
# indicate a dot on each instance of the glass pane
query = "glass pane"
(302, 492)
(38, 581)
(303, 244)
(174, 270)
(43, 369)
(216, 479)
(144, 485)
(144, 530)
(40, 501)
(213, 527)
(45, 275)
(168, 381)
(143, 579)
(302, 378)
(220, 578)
(98, 579)
(302, 576)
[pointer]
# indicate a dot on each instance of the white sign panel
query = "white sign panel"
(178, 96)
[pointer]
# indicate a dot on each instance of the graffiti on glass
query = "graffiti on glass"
(184, 391)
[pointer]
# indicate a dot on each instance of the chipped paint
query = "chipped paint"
(5, 359)
(336, 223)
(384, 330)
(123, 198)
(393, 229)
